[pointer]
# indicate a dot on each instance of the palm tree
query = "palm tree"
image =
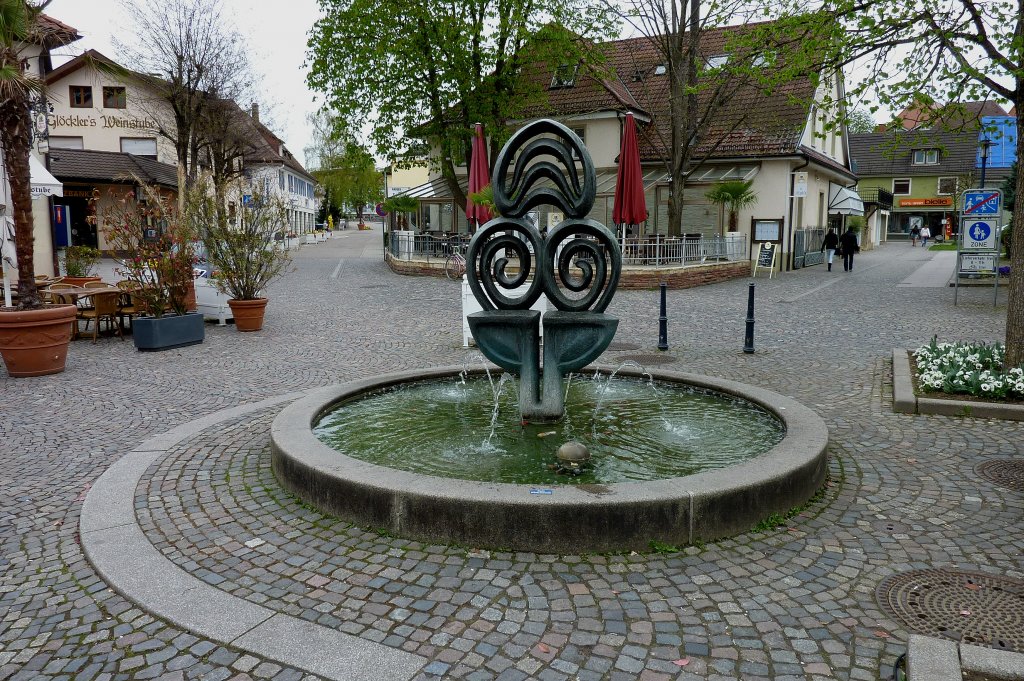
(735, 195)
(17, 22)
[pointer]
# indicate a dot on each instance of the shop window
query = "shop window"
(901, 186)
(947, 185)
(81, 96)
(140, 146)
(114, 97)
(926, 157)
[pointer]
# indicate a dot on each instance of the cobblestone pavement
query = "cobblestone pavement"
(794, 602)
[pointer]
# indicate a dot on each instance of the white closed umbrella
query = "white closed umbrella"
(8, 256)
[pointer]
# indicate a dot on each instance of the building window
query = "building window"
(81, 96)
(565, 76)
(947, 185)
(140, 146)
(280, 179)
(926, 157)
(660, 70)
(901, 186)
(58, 142)
(114, 97)
(717, 61)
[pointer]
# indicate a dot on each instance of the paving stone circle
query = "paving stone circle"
(1003, 472)
(647, 359)
(969, 607)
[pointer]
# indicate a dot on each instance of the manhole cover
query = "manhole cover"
(1003, 472)
(969, 607)
(647, 360)
(616, 346)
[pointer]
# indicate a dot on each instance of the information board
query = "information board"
(766, 258)
(767, 230)
(978, 234)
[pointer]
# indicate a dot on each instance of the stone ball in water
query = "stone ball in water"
(573, 452)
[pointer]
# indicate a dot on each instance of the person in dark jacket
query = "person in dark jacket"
(829, 244)
(848, 245)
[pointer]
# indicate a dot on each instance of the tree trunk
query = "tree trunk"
(1015, 301)
(14, 139)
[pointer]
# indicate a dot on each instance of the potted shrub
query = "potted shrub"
(156, 245)
(34, 337)
(243, 256)
(79, 263)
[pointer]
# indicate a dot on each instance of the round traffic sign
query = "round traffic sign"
(980, 231)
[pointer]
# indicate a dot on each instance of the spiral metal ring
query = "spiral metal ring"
(592, 249)
(573, 194)
(486, 263)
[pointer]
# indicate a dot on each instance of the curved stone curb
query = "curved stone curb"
(124, 557)
(621, 516)
(906, 401)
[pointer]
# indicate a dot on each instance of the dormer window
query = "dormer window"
(926, 157)
(565, 76)
(717, 61)
(660, 70)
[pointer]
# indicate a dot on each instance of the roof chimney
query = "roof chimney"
(255, 112)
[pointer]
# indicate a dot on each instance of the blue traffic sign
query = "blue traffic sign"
(981, 202)
(979, 231)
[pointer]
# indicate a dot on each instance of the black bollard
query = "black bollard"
(663, 320)
(748, 341)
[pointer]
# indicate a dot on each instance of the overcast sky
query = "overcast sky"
(276, 34)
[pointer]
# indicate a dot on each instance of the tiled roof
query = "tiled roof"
(749, 124)
(890, 154)
(268, 147)
(52, 33)
(110, 167)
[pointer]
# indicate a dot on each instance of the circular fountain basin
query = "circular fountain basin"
(553, 517)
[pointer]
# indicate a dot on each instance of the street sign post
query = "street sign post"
(977, 249)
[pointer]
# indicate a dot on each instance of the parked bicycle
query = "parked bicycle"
(455, 263)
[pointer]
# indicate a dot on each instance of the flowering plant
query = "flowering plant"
(975, 369)
(155, 247)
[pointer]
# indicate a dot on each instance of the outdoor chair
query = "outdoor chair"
(95, 284)
(126, 304)
(104, 307)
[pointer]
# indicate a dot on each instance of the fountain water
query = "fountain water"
(386, 474)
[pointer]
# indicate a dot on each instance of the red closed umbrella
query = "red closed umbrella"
(630, 207)
(479, 177)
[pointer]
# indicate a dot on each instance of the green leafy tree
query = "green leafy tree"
(433, 69)
(757, 58)
(734, 196)
(401, 206)
(859, 120)
(936, 55)
(343, 167)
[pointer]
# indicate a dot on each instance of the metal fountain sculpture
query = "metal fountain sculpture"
(578, 254)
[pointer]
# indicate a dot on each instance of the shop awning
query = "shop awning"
(43, 183)
(844, 200)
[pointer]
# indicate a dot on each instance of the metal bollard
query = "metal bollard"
(663, 320)
(748, 341)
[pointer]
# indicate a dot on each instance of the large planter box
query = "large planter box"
(152, 334)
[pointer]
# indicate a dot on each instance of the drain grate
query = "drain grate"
(1003, 472)
(617, 346)
(969, 607)
(647, 360)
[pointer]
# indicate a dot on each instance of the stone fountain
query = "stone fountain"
(576, 265)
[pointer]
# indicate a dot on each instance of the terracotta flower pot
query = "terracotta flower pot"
(248, 314)
(35, 342)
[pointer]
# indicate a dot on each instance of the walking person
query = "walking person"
(925, 235)
(848, 245)
(830, 244)
(915, 233)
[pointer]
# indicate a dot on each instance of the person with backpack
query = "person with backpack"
(915, 233)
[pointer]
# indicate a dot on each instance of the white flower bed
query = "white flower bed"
(959, 368)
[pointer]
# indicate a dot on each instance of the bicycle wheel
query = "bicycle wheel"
(454, 266)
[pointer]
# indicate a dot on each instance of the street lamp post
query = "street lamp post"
(986, 144)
